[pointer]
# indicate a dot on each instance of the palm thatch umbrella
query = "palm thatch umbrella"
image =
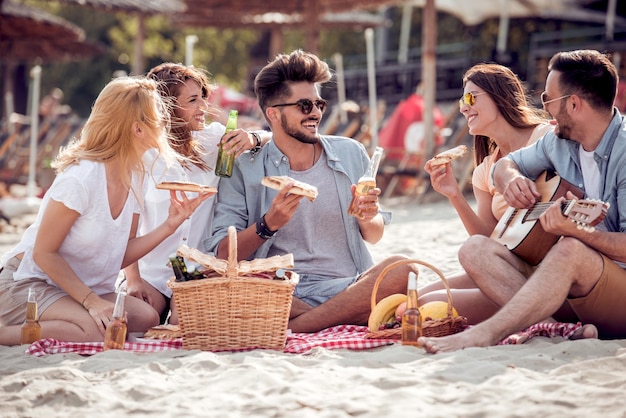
(141, 8)
(310, 15)
(274, 23)
(28, 34)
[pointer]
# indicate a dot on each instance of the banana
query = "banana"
(384, 310)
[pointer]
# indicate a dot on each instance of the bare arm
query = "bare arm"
(180, 209)
(611, 244)
(135, 286)
(239, 140)
(481, 222)
(518, 191)
(281, 211)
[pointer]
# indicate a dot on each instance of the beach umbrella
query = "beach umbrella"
(28, 34)
(310, 15)
(276, 22)
(140, 8)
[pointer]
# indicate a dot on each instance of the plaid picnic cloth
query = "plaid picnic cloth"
(51, 346)
(351, 337)
(543, 329)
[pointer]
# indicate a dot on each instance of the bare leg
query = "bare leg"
(159, 303)
(66, 320)
(352, 306)
(569, 268)
(467, 298)
(470, 303)
(298, 307)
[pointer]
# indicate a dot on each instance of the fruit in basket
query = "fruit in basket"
(436, 310)
(385, 311)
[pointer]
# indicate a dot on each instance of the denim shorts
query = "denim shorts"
(315, 290)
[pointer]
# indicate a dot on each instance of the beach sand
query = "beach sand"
(541, 378)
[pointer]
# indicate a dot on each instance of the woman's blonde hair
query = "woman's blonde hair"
(108, 133)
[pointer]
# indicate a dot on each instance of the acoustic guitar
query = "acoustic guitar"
(521, 232)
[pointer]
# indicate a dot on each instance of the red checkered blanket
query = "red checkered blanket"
(351, 337)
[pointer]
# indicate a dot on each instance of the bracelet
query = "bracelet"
(85, 298)
(262, 230)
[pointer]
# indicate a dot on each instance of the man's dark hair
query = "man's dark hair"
(588, 74)
(273, 81)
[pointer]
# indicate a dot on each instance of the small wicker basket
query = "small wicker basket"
(431, 328)
(232, 312)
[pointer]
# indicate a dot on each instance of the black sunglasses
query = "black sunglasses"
(306, 105)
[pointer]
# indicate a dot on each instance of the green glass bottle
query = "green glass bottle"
(224, 165)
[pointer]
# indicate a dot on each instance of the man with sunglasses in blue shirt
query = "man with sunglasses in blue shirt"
(582, 277)
(335, 267)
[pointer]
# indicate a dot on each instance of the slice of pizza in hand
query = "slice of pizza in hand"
(186, 186)
(299, 188)
(445, 157)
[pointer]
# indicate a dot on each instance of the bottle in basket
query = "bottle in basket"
(115, 335)
(366, 183)
(31, 330)
(224, 165)
(179, 267)
(411, 319)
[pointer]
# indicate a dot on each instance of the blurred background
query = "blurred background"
(400, 61)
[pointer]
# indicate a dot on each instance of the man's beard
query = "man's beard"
(563, 129)
(297, 134)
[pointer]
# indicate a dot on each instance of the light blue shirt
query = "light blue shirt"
(561, 156)
(242, 200)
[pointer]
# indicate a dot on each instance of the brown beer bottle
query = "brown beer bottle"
(31, 330)
(115, 335)
(411, 319)
(225, 162)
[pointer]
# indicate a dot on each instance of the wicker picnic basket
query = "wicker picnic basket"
(233, 312)
(430, 328)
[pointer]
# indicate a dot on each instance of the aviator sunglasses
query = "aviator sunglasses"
(469, 99)
(545, 102)
(306, 105)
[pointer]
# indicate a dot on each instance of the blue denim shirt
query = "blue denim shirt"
(242, 200)
(561, 156)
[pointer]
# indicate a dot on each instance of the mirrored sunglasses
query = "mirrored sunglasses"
(469, 99)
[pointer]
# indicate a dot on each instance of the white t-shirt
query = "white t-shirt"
(95, 245)
(153, 266)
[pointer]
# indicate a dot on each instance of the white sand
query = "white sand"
(542, 378)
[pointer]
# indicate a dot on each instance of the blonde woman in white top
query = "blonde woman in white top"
(85, 230)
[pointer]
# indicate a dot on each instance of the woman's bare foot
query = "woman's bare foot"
(586, 331)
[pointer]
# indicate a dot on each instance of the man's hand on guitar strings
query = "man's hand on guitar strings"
(521, 193)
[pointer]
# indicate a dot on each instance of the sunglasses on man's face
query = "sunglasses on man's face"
(469, 99)
(306, 105)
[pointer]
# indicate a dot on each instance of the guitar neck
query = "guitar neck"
(539, 208)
